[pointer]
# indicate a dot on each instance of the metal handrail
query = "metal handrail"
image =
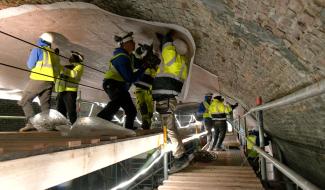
(296, 178)
(307, 92)
(302, 94)
(299, 180)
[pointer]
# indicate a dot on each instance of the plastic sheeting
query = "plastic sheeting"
(94, 126)
(47, 120)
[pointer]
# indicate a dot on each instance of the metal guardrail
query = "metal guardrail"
(308, 92)
(300, 181)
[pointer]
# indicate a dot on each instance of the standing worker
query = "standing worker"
(119, 78)
(143, 90)
(167, 85)
(218, 111)
(204, 107)
(67, 86)
(45, 67)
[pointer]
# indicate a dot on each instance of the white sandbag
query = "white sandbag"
(47, 120)
(94, 126)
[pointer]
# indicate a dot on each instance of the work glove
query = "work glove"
(152, 60)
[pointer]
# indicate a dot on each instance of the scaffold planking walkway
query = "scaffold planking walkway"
(225, 173)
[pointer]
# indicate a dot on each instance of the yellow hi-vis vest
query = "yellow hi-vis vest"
(146, 80)
(48, 66)
(251, 141)
(112, 72)
(206, 113)
(72, 80)
(171, 73)
(218, 110)
(228, 108)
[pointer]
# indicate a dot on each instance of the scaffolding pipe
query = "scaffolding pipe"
(260, 124)
(300, 181)
(11, 117)
(308, 92)
(165, 165)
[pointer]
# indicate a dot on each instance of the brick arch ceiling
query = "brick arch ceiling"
(266, 48)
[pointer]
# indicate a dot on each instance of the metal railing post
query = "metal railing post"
(165, 154)
(261, 137)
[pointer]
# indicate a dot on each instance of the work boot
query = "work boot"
(181, 163)
(28, 127)
(145, 125)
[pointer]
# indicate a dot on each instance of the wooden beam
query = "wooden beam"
(47, 170)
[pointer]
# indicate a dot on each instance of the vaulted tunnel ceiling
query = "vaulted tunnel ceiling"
(267, 48)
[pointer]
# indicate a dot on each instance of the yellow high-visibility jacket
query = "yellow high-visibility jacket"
(72, 79)
(251, 141)
(171, 73)
(49, 66)
(206, 113)
(218, 110)
(112, 72)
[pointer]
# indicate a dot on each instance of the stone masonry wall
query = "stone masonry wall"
(267, 48)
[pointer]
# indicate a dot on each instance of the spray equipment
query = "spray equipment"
(149, 58)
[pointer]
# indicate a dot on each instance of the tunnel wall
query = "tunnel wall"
(267, 48)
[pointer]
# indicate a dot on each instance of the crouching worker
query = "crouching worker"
(67, 86)
(166, 86)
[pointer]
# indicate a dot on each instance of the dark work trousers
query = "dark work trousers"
(120, 97)
(208, 127)
(33, 89)
(66, 104)
(220, 129)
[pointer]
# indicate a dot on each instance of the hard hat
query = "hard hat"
(79, 57)
(47, 37)
(123, 37)
(181, 46)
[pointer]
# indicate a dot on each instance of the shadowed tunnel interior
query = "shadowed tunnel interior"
(243, 49)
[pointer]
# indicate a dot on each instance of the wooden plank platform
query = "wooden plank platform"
(48, 170)
(20, 142)
(225, 173)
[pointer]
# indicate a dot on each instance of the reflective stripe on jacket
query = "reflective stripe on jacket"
(48, 66)
(112, 72)
(146, 80)
(73, 78)
(171, 73)
(218, 110)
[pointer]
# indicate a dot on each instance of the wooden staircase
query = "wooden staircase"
(225, 173)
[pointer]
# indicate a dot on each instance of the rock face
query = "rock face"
(267, 48)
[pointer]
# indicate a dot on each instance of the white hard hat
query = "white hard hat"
(47, 37)
(124, 37)
(181, 46)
